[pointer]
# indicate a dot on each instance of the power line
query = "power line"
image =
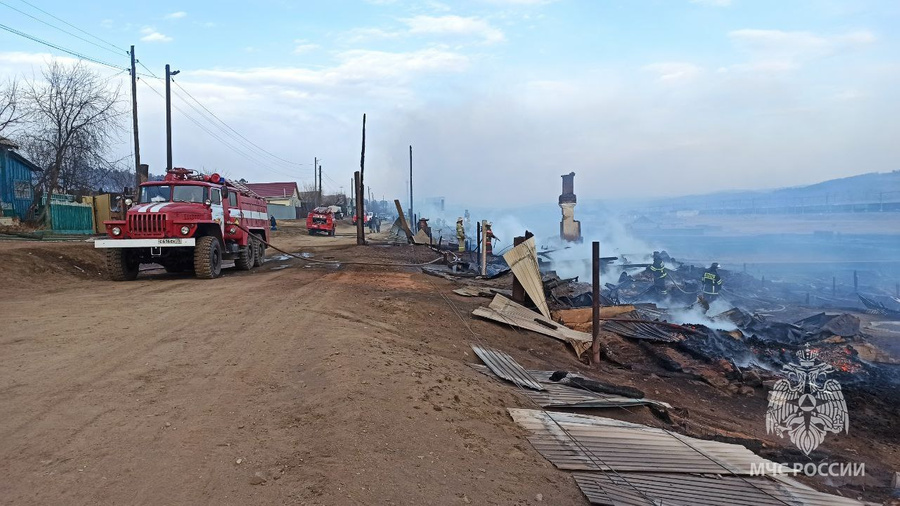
(60, 48)
(235, 131)
(257, 160)
(215, 136)
(73, 26)
(39, 20)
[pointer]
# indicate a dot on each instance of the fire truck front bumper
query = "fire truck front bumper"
(169, 242)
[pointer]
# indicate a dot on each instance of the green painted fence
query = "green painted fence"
(71, 217)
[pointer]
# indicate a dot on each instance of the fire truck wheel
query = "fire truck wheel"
(246, 258)
(260, 252)
(331, 232)
(121, 265)
(207, 258)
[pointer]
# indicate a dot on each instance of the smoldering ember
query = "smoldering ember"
(558, 252)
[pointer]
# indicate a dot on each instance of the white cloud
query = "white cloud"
(520, 2)
(358, 35)
(453, 25)
(779, 51)
(356, 68)
(151, 35)
(713, 3)
(176, 15)
(303, 46)
(674, 71)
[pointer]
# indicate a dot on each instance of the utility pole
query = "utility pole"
(315, 191)
(410, 187)
(320, 185)
(169, 74)
(134, 119)
(360, 196)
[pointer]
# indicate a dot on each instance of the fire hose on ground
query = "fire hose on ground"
(333, 262)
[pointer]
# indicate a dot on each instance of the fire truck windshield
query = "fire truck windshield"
(155, 194)
(195, 194)
(177, 193)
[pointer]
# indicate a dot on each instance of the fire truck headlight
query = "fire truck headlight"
(116, 231)
(128, 202)
(232, 230)
(185, 230)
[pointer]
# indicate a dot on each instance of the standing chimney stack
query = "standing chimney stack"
(569, 228)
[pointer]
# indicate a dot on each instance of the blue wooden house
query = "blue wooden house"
(15, 180)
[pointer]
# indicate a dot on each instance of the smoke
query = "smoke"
(697, 316)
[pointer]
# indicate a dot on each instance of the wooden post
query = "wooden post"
(410, 184)
(134, 120)
(595, 302)
(360, 196)
(484, 251)
(360, 215)
(477, 241)
(518, 291)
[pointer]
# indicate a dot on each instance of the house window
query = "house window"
(22, 190)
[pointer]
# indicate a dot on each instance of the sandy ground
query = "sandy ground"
(303, 383)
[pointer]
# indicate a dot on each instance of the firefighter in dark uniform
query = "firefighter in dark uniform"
(712, 282)
(658, 268)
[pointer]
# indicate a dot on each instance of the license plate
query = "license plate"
(169, 241)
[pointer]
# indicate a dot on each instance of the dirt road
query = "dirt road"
(301, 385)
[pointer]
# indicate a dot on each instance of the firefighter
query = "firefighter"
(272, 222)
(712, 282)
(489, 238)
(658, 268)
(461, 234)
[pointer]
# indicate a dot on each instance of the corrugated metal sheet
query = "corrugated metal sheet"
(652, 489)
(604, 444)
(562, 396)
(645, 466)
(506, 367)
(524, 264)
(556, 395)
(508, 312)
(638, 330)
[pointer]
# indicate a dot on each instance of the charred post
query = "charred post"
(595, 302)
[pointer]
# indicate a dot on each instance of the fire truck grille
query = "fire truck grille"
(147, 225)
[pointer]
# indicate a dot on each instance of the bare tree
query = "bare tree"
(10, 113)
(72, 118)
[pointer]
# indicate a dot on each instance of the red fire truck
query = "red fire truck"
(320, 219)
(189, 221)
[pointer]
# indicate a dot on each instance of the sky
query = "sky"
(640, 98)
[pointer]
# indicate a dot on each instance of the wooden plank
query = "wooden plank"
(524, 264)
(403, 224)
(504, 310)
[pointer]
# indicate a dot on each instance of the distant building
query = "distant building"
(15, 180)
(283, 199)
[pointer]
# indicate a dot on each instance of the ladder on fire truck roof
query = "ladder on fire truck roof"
(243, 188)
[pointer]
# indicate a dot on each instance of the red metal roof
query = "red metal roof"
(270, 190)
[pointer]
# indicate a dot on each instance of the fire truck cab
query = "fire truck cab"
(320, 219)
(188, 222)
